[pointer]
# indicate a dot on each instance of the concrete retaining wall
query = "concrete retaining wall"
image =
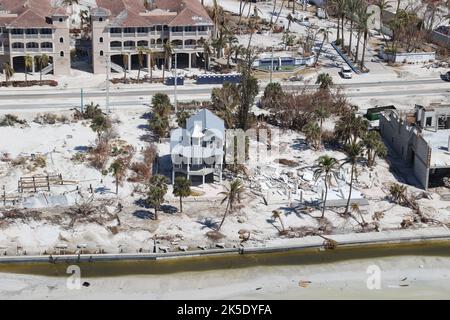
(404, 57)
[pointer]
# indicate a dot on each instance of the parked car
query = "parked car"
(446, 76)
(346, 72)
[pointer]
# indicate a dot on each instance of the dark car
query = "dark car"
(446, 76)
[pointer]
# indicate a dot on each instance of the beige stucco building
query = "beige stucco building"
(120, 27)
(33, 28)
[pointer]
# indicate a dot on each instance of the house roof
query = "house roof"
(133, 13)
(207, 120)
(29, 13)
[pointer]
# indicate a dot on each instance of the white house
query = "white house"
(198, 150)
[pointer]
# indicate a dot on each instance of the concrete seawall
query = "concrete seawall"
(280, 245)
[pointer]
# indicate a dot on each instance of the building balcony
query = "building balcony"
(115, 35)
(32, 36)
(46, 36)
(17, 36)
(176, 33)
(190, 33)
(129, 35)
(17, 49)
(47, 49)
(128, 48)
(142, 34)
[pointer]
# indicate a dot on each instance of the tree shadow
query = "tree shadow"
(167, 208)
(81, 148)
(208, 223)
(142, 203)
(144, 214)
(103, 190)
(300, 145)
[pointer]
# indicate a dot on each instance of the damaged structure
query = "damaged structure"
(198, 150)
(422, 139)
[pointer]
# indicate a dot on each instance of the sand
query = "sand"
(408, 277)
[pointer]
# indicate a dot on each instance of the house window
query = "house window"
(100, 19)
(428, 122)
(61, 40)
(61, 20)
(61, 54)
(101, 53)
(101, 39)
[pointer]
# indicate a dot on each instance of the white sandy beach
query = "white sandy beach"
(408, 277)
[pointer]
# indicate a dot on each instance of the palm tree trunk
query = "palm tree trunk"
(364, 49)
(181, 204)
(343, 23)
(351, 38)
(338, 28)
(282, 224)
(164, 68)
(357, 47)
(117, 186)
(326, 196)
(350, 191)
(224, 216)
(156, 213)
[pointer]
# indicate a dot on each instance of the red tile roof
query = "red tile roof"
(29, 13)
(132, 13)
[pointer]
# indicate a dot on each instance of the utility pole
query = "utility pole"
(271, 67)
(82, 100)
(175, 86)
(108, 68)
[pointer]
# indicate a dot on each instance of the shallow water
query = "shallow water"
(302, 257)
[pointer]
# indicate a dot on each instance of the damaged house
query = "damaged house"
(422, 139)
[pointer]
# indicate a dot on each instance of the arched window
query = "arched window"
(61, 19)
(101, 39)
(101, 53)
(61, 40)
(61, 54)
(100, 19)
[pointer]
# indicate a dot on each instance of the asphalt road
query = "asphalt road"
(62, 98)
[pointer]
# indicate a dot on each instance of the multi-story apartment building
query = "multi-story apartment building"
(120, 27)
(32, 28)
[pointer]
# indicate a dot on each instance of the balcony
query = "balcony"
(115, 35)
(17, 36)
(32, 36)
(17, 50)
(129, 35)
(32, 49)
(128, 48)
(202, 33)
(190, 33)
(176, 33)
(46, 36)
(47, 49)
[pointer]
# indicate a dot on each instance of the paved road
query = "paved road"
(62, 99)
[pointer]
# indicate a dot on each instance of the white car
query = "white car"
(346, 72)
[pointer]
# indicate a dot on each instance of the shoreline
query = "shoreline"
(371, 240)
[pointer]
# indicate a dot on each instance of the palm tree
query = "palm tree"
(230, 39)
(325, 81)
(352, 9)
(321, 114)
(159, 124)
(9, 72)
(182, 189)
(100, 124)
(206, 52)
(326, 33)
(43, 61)
(157, 191)
(118, 169)
(327, 167)
(141, 51)
(398, 193)
(312, 134)
(363, 20)
(279, 12)
(374, 147)
(277, 215)
(28, 60)
(351, 127)
(168, 51)
(232, 195)
(339, 7)
(354, 153)
(125, 67)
